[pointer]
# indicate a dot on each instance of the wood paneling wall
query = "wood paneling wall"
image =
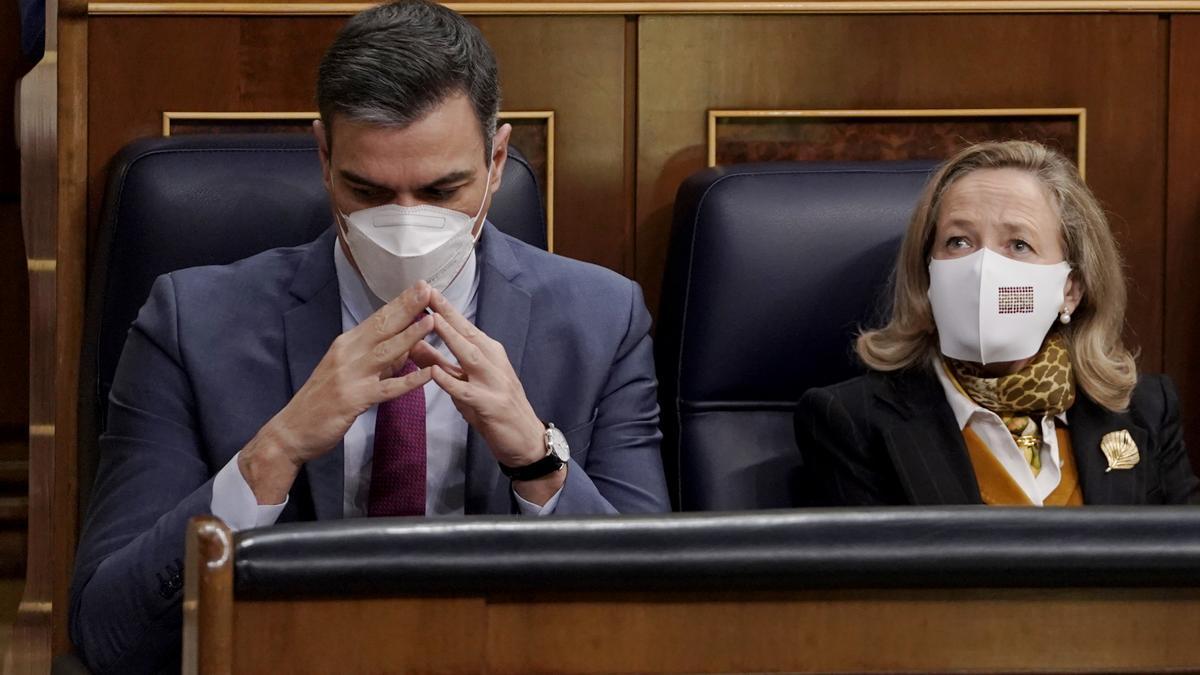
(1182, 239)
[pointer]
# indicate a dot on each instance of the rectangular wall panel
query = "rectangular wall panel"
(1183, 224)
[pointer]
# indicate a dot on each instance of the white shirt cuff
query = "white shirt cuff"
(528, 508)
(233, 501)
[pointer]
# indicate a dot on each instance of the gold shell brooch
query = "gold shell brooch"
(1120, 450)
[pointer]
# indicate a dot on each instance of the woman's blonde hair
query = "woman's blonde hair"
(1103, 367)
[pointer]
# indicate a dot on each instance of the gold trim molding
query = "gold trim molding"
(34, 607)
(1079, 113)
(682, 7)
(169, 117)
(41, 430)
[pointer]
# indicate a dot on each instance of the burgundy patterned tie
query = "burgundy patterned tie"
(398, 465)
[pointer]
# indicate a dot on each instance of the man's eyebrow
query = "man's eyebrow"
(355, 178)
(452, 177)
(448, 179)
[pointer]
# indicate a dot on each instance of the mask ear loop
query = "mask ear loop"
(487, 185)
(474, 222)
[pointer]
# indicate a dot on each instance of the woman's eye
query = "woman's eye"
(1021, 246)
(956, 242)
(365, 194)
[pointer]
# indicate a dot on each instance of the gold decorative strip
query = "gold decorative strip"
(34, 607)
(684, 7)
(168, 117)
(41, 264)
(1079, 113)
(41, 430)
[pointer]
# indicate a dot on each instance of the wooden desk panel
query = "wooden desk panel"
(442, 635)
(979, 630)
(967, 630)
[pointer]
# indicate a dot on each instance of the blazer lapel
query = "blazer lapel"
(309, 330)
(925, 443)
(503, 312)
(1088, 423)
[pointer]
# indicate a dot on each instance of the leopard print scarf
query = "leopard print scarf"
(1043, 387)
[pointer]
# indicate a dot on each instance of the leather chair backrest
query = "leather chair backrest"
(771, 271)
(190, 200)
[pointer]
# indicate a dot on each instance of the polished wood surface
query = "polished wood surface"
(71, 246)
(1183, 224)
(964, 630)
(208, 629)
(982, 630)
(32, 642)
(431, 635)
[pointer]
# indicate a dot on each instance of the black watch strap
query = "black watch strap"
(546, 465)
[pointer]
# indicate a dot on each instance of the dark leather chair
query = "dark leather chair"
(772, 268)
(191, 200)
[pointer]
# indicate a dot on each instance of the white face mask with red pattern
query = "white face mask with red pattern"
(992, 309)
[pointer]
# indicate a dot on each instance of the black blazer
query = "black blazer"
(891, 439)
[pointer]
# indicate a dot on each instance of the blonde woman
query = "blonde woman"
(1000, 377)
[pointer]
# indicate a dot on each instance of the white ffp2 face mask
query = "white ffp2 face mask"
(989, 308)
(396, 246)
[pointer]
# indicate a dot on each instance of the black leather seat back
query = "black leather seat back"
(184, 201)
(771, 271)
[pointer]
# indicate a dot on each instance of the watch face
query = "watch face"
(558, 444)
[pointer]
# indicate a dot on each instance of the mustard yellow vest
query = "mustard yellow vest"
(999, 489)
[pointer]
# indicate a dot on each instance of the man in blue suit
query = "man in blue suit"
(413, 360)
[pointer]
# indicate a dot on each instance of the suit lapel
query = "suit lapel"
(503, 312)
(925, 443)
(1088, 423)
(309, 330)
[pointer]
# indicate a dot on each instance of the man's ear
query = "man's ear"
(499, 155)
(318, 128)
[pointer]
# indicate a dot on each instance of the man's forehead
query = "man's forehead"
(450, 126)
(418, 153)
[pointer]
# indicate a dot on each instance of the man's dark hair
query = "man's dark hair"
(392, 64)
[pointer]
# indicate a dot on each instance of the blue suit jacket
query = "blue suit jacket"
(217, 351)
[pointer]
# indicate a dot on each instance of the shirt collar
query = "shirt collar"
(361, 303)
(963, 407)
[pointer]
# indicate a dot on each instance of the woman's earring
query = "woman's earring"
(1064, 317)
